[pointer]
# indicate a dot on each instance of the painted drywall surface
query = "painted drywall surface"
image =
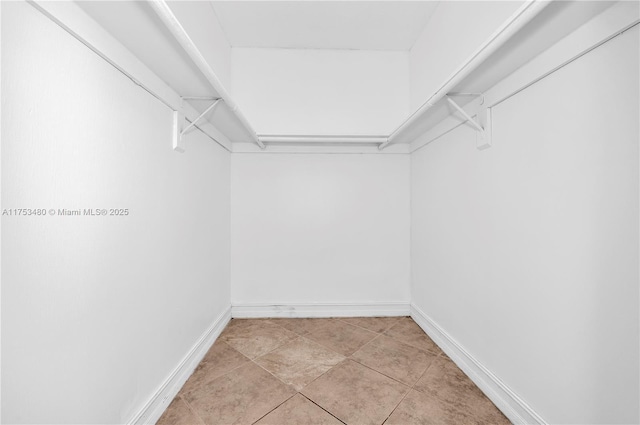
(204, 29)
(453, 33)
(0, 216)
(527, 253)
(98, 311)
(313, 228)
(324, 25)
(344, 92)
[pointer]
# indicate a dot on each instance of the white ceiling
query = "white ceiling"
(361, 25)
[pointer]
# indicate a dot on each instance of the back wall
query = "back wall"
(316, 228)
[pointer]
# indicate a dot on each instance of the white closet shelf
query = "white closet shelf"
(175, 28)
(130, 37)
(190, 83)
(533, 29)
(515, 22)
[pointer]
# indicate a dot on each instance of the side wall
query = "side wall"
(320, 228)
(97, 312)
(526, 254)
(344, 92)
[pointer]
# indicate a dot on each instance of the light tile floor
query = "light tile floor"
(357, 370)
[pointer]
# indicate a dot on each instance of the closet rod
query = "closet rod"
(518, 20)
(173, 25)
(307, 138)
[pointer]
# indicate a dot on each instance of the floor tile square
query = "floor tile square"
(242, 396)
(373, 324)
(178, 413)
(298, 410)
(301, 326)
(299, 362)
(356, 394)
(422, 409)
(407, 331)
(254, 338)
(395, 359)
(445, 381)
(220, 359)
(341, 337)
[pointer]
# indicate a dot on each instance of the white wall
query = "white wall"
(98, 311)
(454, 32)
(527, 253)
(313, 228)
(344, 92)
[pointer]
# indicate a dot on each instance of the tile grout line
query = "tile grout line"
(383, 374)
(327, 371)
(400, 342)
(425, 372)
(321, 375)
(359, 327)
(268, 371)
(341, 421)
(412, 388)
(272, 350)
(345, 355)
(397, 318)
(191, 409)
(273, 409)
(404, 342)
(271, 320)
(364, 345)
(180, 393)
(324, 347)
(397, 405)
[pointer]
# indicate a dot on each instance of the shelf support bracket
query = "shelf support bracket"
(179, 128)
(483, 125)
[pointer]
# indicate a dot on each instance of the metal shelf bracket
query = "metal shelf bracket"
(179, 121)
(483, 125)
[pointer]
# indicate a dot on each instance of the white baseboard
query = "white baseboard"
(319, 310)
(498, 392)
(157, 404)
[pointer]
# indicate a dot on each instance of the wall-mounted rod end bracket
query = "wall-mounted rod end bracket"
(179, 129)
(482, 126)
(484, 138)
(178, 123)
